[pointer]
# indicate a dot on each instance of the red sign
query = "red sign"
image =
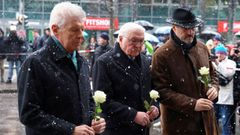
(223, 26)
(99, 23)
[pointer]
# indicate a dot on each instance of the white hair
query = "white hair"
(63, 11)
(129, 27)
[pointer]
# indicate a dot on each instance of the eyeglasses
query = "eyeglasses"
(186, 29)
(135, 41)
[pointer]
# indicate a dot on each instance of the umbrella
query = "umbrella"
(164, 30)
(151, 38)
(237, 34)
(115, 34)
(146, 24)
(208, 34)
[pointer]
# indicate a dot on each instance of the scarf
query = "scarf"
(184, 46)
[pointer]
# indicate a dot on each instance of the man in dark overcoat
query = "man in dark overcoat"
(2, 55)
(123, 74)
(103, 47)
(186, 103)
(54, 95)
(13, 46)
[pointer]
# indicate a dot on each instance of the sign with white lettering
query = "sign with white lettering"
(92, 23)
(223, 26)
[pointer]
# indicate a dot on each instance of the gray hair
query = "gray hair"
(63, 11)
(128, 27)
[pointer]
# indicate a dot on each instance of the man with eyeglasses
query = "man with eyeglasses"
(186, 103)
(123, 74)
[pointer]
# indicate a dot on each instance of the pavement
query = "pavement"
(8, 88)
(9, 120)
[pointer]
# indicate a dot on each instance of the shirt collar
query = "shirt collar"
(61, 47)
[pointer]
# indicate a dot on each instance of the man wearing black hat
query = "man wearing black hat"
(186, 103)
(103, 47)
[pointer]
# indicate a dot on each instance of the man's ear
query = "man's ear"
(120, 39)
(174, 27)
(55, 29)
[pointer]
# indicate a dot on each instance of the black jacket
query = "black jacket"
(2, 48)
(53, 96)
(236, 83)
(127, 84)
(14, 45)
(42, 40)
(98, 52)
(101, 50)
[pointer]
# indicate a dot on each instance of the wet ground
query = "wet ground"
(9, 122)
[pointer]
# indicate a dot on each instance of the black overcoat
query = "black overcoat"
(14, 45)
(53, 96)
(127, 84)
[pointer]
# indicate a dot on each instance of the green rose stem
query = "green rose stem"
(153, 95)
(98, 110)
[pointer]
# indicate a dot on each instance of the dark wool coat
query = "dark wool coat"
(236, 82)
(176, 78)
(127, 85)
(101, 50)
(14, 45)
(53, 96)
(2, 48)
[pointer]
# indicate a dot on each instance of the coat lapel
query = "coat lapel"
(131, 68)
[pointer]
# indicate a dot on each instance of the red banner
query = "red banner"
(223, 26)
(92, 23)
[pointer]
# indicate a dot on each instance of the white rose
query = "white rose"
(99, 96)
(204, 71)
(154, 94)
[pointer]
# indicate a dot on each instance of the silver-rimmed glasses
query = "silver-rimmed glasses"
(134, 41)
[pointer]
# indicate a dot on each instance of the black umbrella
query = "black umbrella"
(146, 24)
(164, 30)
(208, 34)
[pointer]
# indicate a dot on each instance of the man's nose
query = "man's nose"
(191, 31)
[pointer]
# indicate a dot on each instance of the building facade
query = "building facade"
(154, 11)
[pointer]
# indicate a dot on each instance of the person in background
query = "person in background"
(43, 38)
(236, 82)
(186, 103)
(2, 56)
(216, 42)
(36, 39)
(13, 46)
(225, 106)
(210, 45)
(103, 47)
(123, 73)
(91, 46)
(54, 95)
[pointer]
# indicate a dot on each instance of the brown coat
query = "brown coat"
(179, 88)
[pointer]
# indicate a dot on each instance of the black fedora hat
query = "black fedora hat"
(185, 18)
